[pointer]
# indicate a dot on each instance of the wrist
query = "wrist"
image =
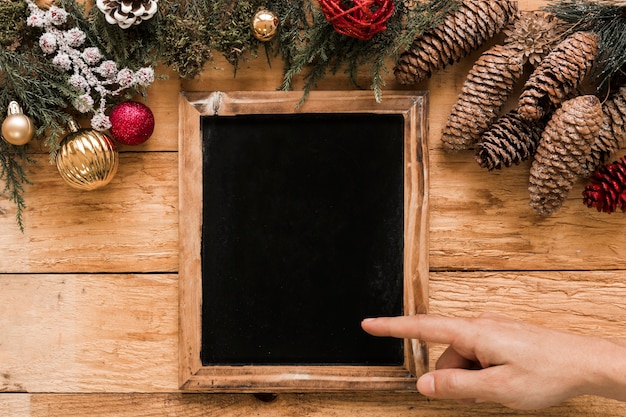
(607, 375)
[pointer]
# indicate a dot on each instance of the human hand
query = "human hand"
(519, 365)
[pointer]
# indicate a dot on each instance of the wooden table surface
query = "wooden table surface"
(89, 292)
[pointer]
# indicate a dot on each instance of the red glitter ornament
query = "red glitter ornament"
(360, 19)
(132, 123)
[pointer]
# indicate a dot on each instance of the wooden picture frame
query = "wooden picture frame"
(193, 375)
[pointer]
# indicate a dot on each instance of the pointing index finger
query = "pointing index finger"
(423, 327)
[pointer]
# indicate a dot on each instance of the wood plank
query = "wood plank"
(15, 405)
(481, 220)
(129, 225)
(588, 302)
(284, 405)
(102, 333)
(85, 333)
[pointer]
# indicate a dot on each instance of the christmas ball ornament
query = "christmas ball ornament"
(17, 128)
(132, 123)
(87, 159)
(264, 25)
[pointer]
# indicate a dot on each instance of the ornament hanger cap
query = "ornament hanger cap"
(14, 108)
(73, 126)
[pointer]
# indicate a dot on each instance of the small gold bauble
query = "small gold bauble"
(264, 25)
(17, 128)
(87, 159)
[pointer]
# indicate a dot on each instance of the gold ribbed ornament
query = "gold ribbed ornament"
(87, 159)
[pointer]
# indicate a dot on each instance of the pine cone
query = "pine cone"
(563, 150)
(534, 34)
(126, 13)
(461, 32)
(558, 75)
(607, 190)
(488, 86)
(510, 140)
(612, 132)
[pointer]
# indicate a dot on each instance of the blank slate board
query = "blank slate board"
(297, 220)
(302, 238)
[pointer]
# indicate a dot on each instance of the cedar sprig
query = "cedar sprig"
(13, 17)
(184, 37)
(14, 177)
(609, 22)
(311, 46)
(42, 91)
(228, 23)
(135, 47)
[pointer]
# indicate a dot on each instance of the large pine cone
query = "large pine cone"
(509, 141)
(563, 151)
(461, 32)
(486, 89)
(612, 132)
(126, 13)
(558, 75)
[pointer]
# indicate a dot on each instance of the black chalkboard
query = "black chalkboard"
(302, 237)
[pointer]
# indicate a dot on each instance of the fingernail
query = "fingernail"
(426, 384)
(369, 319)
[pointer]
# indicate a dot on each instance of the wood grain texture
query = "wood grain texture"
(285, 405)
(482, 220)
(130, 225)
(89, 293)
(587, 302)
(88, 333)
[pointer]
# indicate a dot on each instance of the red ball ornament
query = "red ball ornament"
(132, 123)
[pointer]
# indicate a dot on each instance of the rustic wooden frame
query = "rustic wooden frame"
(193, 375)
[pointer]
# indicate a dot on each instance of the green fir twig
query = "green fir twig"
(184, 38)
(609, 22)
(311, 46)
(14, 177)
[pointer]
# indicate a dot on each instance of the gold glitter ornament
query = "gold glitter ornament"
(264, 25)
(17, 128)
(87, 159)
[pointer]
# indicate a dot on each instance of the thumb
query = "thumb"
(453, 384)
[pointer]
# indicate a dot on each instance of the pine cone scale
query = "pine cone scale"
(562, 153)
(461, 32)
(558, 75)
(486, 89)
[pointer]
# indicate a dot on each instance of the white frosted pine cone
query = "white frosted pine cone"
(126, 13)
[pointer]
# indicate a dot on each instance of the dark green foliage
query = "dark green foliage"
(13, 17)
(135, 47)
(28, 78)
(309, 43)
(12, 173)
(184, 37)
(229, 24)
(609, 22)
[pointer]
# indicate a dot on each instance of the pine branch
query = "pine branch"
(14, 177)
(184, 38)
(40, 89)
(319, 50)
(609, 22)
